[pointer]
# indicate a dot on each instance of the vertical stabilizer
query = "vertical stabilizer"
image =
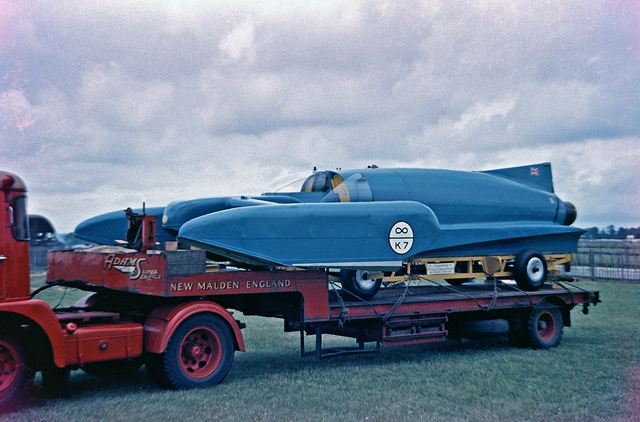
(536, 175)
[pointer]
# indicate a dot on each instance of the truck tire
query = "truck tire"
(358, 283)
(199, 354)
(15, 374)
(537, 328)
(529, 269)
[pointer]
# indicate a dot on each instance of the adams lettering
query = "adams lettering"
(128, 265)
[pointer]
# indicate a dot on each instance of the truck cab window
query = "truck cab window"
(19, 220)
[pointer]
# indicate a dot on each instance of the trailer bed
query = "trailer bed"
(414, 311)
(441, 298)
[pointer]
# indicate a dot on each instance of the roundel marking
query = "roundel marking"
(401, 237)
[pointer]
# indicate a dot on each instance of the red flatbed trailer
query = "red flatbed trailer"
(405, 314)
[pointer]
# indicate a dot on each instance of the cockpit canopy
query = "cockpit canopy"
(326, 186)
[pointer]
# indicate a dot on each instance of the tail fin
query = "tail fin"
(536, 175)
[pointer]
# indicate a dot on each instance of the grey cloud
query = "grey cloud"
(109, 102)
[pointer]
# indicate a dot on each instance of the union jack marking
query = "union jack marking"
(533, 171)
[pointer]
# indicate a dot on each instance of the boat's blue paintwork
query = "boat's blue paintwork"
(336, 235)
(459, 197)
(344, 219)
(478, 213)
(179, 212)
(105, 229)
(502, 239)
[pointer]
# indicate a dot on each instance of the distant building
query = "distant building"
(43, 238)
(41, 232)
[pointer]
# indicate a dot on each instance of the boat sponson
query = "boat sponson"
(334, 235)
(503, 239)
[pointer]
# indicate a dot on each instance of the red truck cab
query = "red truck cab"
(14, 239)
(14, 288)
(31, 337)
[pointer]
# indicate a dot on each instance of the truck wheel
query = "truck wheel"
(544, 327)
(15, 374)
(199, 354)
(359, 283)
(530, 269)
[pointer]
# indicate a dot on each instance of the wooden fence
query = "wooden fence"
(38, 258)
(607, 260)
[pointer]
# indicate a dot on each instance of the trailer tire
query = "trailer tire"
(15, 374)
(358, 283)
(544, 326)
(529, 269)
(199, 354)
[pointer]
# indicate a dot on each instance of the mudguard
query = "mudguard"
(160, 326)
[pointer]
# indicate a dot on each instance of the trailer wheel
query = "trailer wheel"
(199, 354)
(359, 283)
(530, 269)
(15, 374)
(544, 327)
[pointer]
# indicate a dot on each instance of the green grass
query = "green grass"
(585, 378)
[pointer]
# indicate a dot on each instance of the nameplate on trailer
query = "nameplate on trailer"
(439, 268)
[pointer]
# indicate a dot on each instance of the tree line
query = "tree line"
(611, 232)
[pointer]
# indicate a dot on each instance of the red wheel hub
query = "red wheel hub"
(200, 352)
(9, 365)
(546, 326)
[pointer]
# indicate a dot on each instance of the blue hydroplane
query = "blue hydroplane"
(375, 219)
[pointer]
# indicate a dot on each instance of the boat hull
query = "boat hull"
(360, 235)
(346, 219)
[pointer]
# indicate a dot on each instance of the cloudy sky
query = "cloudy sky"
(108, 103)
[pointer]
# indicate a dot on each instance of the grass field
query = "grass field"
(589, 377)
